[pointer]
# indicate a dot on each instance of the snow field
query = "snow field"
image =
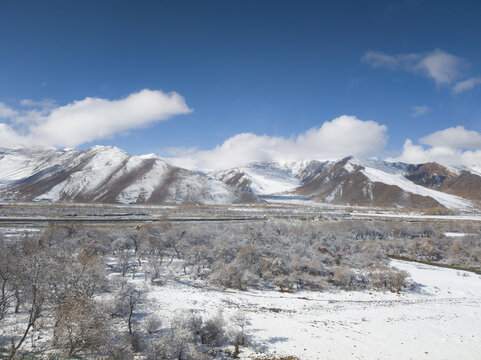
(437, 320)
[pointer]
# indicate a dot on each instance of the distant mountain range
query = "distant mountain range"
(106, 174)
(362, 182)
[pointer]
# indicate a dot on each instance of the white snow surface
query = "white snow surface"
(437, 320)
(455, 234)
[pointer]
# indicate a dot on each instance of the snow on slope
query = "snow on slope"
(106, 160)
(106, 164)
(207, 190)
(265, 177)
(449, 201)
(143, 187)
(269, 179)
(22, 163)
(275, 178)
(396, 168)
(107, 174)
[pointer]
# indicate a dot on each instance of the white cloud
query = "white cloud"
(6, 112)
(454, 146)
(91, 118)
(419, 110)
(455, 137)
(445, 155)
(343, 136)
(439, 65)
(465, 85)
(9, 138)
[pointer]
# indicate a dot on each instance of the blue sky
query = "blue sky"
(273, 68)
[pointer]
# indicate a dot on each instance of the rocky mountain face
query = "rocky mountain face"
(107, 175)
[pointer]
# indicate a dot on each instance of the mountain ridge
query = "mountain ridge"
(107, 174)
(363, 182)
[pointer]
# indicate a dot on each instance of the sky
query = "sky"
(214, 84)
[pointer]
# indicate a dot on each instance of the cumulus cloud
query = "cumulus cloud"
(455, 137)
(419, 110)
(89, 119)
(454, 146)
(444, 155)
(439, 65)
(343, 136)
(465, 85)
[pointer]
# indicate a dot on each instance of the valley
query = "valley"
(130, 257)
(308, 280)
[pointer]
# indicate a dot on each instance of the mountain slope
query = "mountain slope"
(109, 175)
(263, 178)
(345, 183)
(21, 163)
(438, 177)
(348, 181)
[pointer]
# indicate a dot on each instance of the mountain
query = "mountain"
(434, 176)
(352, 181)
(106, 175)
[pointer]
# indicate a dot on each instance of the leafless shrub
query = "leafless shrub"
(152, 323)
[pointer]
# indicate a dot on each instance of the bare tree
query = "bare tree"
(79, 325)
(34, 289)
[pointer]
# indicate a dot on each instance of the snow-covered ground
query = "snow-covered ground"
(417, 216)
(440, 319)
(455, 234)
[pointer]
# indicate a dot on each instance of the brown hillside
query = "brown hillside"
(336, 184)
(437, 177)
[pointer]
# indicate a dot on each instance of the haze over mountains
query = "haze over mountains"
(109, 175)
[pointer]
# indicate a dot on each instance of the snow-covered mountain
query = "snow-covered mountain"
(19, 164)
(109, 175)
(106, 174)
(359, 182)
